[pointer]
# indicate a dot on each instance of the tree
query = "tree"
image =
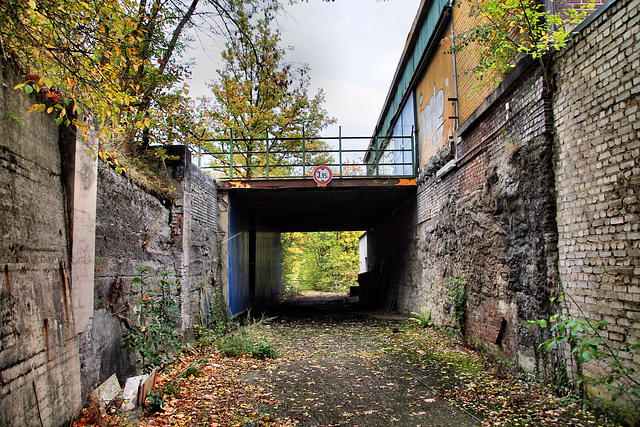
(509, 30)
(261, 101)
(116, 61)
(321, 261)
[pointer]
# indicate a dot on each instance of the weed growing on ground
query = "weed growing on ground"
(457, 298)
(422, 318)
(246, 341)
(588, 342)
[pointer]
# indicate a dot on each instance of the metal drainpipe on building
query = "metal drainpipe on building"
(455, 84)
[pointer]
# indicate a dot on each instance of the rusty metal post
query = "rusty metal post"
(304, 154)
(231, 155)
(340, 148)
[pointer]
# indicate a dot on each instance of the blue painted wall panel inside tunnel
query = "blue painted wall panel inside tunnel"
(255, 261)
(238, 258)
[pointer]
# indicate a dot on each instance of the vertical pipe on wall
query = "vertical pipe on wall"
(455, 72)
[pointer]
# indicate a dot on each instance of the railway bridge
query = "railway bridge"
(300, 185)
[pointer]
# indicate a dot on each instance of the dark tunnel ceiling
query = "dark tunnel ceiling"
(301, 205)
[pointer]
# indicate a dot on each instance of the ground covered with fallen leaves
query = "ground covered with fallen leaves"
(348, 369)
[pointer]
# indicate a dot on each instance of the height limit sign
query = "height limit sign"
(322, 175)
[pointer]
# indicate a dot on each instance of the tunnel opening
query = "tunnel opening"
(263, 218)
(320, 269)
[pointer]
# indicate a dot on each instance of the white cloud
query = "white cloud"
(352, 46)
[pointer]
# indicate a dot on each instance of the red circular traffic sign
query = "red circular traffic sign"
(322, 175)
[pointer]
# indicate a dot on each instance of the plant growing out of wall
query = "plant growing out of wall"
(457, 299)
(587, 341)
(152, 330)
(509, 30)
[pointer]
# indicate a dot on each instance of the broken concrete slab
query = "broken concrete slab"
(107, 391)
(130, 394)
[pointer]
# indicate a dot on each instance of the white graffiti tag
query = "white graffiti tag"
(432, 119)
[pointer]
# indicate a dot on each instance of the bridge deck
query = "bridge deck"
(302, 205)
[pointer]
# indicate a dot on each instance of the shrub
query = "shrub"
(151, 331)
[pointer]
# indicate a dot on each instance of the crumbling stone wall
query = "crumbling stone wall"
(39, 365)
(494, 225)
(596, 106)
(134, 228)
(489, 220)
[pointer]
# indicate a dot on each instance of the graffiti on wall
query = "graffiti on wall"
(432, 103)
(432, 117)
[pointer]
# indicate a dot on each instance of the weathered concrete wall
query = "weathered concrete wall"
(596, 106)
(134, 229)
(39, 365)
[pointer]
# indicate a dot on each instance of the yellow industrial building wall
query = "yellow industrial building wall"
(436, 122)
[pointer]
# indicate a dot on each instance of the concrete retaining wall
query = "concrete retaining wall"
(135, 229)
(39, 365)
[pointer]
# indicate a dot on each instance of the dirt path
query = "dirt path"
(334, 370)
(339, 368)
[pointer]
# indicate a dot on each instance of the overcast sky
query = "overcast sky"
(353, 48)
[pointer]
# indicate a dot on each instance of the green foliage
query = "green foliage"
(508, 30)
(588, 342)
(246, 342)
(290, 290)
(216, 323)
(234, 337)
(192, 371)
(111, 60)
(422, 318)
(322, 261)
(152, 330)
(259, 94)
(170, 389)
(456, 297)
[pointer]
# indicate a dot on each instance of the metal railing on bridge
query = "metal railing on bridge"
(274, 157)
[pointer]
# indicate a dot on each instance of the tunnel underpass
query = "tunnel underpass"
(259, 211)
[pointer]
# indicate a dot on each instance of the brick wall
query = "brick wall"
(491, 220)
(39, 365)
(596, 106)
(204, 258)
